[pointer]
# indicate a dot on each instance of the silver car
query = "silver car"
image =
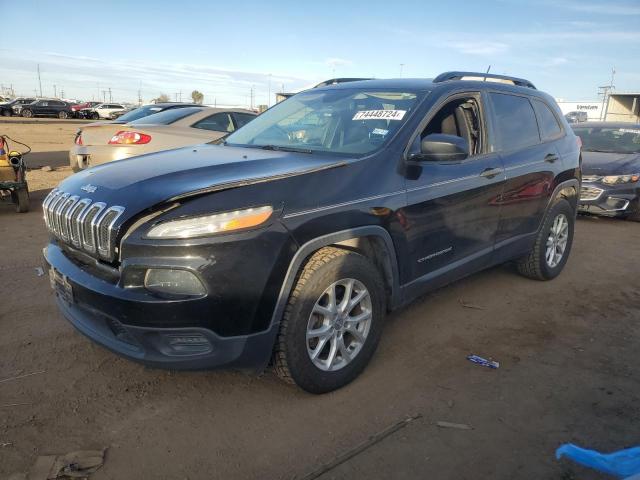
(105, 142)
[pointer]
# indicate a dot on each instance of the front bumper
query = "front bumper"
(103, 312)
(610, 200)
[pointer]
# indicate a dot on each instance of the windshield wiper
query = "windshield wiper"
(278, 148)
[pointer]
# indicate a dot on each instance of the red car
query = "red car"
(80, 106)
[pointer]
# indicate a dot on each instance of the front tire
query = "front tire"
(62, 115)
(27, 113)
(332, 322)
(551, 250)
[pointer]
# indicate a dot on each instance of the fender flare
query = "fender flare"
(329, 239)
(572, 183)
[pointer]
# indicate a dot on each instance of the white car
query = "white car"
(104, 110)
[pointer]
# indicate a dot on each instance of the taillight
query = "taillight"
(78, 140)
(129, 138)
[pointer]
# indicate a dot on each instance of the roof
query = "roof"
(606, 124)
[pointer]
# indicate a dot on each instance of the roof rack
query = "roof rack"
(334, 81)
(484, 77)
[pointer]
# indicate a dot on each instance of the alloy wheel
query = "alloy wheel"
(557, 240)
(339, 324)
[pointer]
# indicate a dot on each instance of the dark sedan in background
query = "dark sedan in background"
(610, 168)
(48, 108)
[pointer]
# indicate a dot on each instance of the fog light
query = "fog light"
(166, 281)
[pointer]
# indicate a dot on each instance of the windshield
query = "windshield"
(348, 121)
(608, 139)
(139, 113)
(166, 117)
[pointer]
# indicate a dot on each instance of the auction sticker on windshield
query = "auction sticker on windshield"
(379, 115)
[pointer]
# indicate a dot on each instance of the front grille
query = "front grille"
(591, 178)
(590, 193)
(82, 223)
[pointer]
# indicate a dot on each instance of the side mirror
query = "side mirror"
(442, 148)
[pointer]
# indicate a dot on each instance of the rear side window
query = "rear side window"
(166, 117)
(243, 118)
(514, 121)
(547, 121)
(219, 122)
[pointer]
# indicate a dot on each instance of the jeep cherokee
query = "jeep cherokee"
(291, 239)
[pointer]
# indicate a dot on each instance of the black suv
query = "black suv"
(48, 108)
(293, 237)
(14, 106)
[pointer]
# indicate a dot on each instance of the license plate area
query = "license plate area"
(60, 285)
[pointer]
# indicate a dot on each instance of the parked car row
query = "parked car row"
(32, 107)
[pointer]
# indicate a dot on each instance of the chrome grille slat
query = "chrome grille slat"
(64, 217)
(82, 223)
(57, 226)
(591, 178)
(75, 227)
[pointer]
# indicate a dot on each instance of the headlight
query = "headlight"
(211, 224)
(618, 179)
(168, 281)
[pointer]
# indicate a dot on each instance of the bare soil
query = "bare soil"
(568, 373)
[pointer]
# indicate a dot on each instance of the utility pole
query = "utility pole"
(61, 93)
(39, 81)
(401, 67)
(110, 98)
(251, 96)
(55, 94)
(605, 91)
(104, 96)
(139, 97)
(269, 95)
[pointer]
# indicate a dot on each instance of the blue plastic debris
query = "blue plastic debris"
(622, 463)
(483, 361)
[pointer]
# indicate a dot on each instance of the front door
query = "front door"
(453, 211)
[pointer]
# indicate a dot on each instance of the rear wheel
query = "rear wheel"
(6, 113)
(62, 115)
(549, 254)
(21, 199)
(27, 113)
(332, 322)
(94, 116)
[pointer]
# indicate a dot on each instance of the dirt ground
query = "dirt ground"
(568, 373)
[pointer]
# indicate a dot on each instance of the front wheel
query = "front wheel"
(27, 113)
(62, 115)
(551, 250)
(332, 322)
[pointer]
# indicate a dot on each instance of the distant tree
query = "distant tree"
(197, 97)
(162, 98)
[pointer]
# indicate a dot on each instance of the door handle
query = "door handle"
(551, 157)
(491, 172)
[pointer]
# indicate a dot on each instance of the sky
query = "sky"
(227, 50)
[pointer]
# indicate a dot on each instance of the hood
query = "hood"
(141, 182)
(598, 163)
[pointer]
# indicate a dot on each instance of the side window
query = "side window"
(460, 117)
(243, 118)
(218, 122)
(43, 104)
(515, 122)
(547, 121)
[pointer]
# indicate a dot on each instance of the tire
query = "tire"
(21, 199)
(635, 216)
(62, 115)
(292, 354)
(95, 116)
(27, 113)
(536, 263)
(6, 113)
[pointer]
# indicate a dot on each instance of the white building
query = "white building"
(593, 109)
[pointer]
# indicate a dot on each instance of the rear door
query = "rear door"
(452, 213)
(529, 165)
